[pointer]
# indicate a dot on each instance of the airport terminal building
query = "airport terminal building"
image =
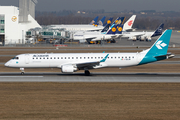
(15, 21)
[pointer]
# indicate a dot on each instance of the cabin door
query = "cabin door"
(27, 59)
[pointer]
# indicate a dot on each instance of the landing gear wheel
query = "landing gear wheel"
(22, 71)
(87, 73)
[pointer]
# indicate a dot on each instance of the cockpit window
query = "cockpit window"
(16, 58)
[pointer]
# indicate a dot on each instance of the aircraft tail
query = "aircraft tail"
(158, 31)
(158, 50)
(108, 21)
(101, 22)
(128, 25)
(94, 21)
(119, 20)
(115, 29)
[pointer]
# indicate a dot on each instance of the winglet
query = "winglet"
(104, 59)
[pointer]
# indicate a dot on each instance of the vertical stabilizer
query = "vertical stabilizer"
(128, 25)
(159, 49)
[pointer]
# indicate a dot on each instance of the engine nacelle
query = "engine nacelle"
(149, 39)
(143, 38)
(68, 69)
(133, 38)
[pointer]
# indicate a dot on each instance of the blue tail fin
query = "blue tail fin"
(94, 21)
(101, 22)
(159, 49)
(108, 21)
(115, 29)
(119, 20)
(158, 31)
(106, 28)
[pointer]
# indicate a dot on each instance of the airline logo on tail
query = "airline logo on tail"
(130, 22)
(120, 29)
(114, 29)
(108, 22)
(159, 44)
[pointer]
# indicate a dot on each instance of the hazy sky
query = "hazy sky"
(107, 5)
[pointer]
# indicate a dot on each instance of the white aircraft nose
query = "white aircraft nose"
(7, 64)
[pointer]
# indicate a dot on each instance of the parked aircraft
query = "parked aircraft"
(100, 35)
(80, 27)
(94, 21)
(100, 22)
(129, 23)
(72, 62)
(143, 35)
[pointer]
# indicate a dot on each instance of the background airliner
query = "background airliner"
(143, 36)
(72, 62)
(105, 34)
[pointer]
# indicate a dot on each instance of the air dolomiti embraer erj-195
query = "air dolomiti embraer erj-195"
(73, 62)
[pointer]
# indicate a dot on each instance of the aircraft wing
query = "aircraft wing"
(88, 65)
(133, 34)
(137, 35)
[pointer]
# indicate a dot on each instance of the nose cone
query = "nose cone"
(7, 64)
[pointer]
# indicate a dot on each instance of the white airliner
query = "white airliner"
(142, 36)
(81, 27)
(72, 62)
(129, 23)
(93, 26)
(105, 34)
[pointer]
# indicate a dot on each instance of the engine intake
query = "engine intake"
(68, 69)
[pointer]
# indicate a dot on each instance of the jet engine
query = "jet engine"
(68, 69)
(148, 39)
(143, 38)
(133, 38)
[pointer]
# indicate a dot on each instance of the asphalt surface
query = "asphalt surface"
(94, 77)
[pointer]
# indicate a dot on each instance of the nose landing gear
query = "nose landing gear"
(87, 73)
(22, 71)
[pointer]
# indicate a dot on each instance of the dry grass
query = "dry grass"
(89, 101)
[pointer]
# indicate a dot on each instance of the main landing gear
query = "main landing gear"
(87, 73)
(22, 71)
